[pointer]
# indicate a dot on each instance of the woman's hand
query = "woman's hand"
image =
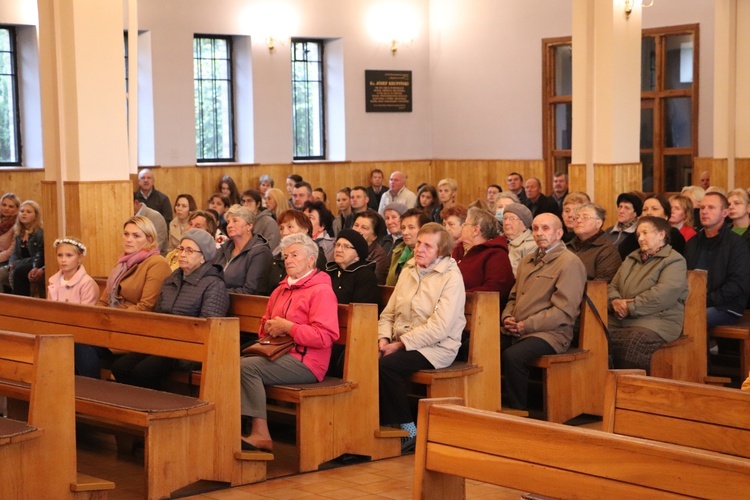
(278, 326)
(36, 274)
(391, 348)
(620, 307)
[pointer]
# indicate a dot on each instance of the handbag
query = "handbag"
(271, 348)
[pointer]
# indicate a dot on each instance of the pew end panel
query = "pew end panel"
(45, 445)
(574, 381)
(740, 333)
(686, 357)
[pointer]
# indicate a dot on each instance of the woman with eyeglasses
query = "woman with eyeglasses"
(600, 257)
(196, 288)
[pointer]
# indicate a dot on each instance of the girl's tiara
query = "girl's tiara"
(70, 241)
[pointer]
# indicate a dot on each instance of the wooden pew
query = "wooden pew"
(741, 333)
(187, 439)
(560, 461)
(685, 357)
(38, 456)
(574, 380)
(685, 413)
(335, 416)
(476, 380)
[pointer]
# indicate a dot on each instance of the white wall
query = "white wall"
(476, 72)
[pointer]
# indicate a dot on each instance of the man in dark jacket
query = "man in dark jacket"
(726, 257)
(536, 201)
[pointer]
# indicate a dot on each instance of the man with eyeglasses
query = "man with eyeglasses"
(542, 307)
(600, 257)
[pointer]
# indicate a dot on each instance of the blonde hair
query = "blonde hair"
(282, 204)
(72, 241)
(145, 225)
(19, 228)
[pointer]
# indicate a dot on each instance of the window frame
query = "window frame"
(231, 100)
(322, 118)
(15, 89)
(549, 102)
(655, 99)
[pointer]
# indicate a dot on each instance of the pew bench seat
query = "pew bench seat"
(571, 355)
(15, 431)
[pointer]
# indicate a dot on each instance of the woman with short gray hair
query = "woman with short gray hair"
(245, 258)
(304, 308)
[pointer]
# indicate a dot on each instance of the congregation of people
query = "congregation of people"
(537, 251)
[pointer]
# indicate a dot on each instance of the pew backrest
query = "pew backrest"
(672, 411)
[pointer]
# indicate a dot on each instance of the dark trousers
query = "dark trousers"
(20, 279)
(515, 355)
(393, 372)
(142, 370)
(88, 360)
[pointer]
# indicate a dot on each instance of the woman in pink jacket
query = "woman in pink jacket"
(304, 307)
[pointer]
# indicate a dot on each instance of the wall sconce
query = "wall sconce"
(394, 23)
(629, 5)
(273, 21)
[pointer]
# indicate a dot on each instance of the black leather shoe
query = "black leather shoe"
(408, 444)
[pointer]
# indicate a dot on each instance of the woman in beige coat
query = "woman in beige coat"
(421, 326)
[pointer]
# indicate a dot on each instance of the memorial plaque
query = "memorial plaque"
(387, 91)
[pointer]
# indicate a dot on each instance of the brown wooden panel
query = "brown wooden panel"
(742, 173)
(610, 181)
(717, 170)
(577, 178)
(25, 183)
(705, 436)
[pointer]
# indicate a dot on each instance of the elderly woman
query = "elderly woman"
(352, 274)
(447, 189)
(682, 216)
(195, 289)
(303, 307)
(647, 297)
(517, 220)
(370, 225)
(502, 199)
(265, 224)
(200, 219)
(485, 266)
(321, 219)
(412, 220)
(657, 205)
(9, 205)
(599, 256)
(184, 204)
(245, 257)
(453, 219)
(26, 264)
(421, 326)
(570, 206)
(290, 222)
(622, 234)
(392, 216)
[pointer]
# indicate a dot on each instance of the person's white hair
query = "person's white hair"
(300, 239)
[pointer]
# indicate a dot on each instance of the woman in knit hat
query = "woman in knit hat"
(622, 234)
(516, 228)
(195, 289)
(352, 275)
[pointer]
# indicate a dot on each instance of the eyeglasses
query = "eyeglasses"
(189, 251)
(343, 246)
(511, 218)
(467, 224)
(584, 217)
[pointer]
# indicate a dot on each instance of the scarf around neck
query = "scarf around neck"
(125, 263)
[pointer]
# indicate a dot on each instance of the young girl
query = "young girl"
(71, 283)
